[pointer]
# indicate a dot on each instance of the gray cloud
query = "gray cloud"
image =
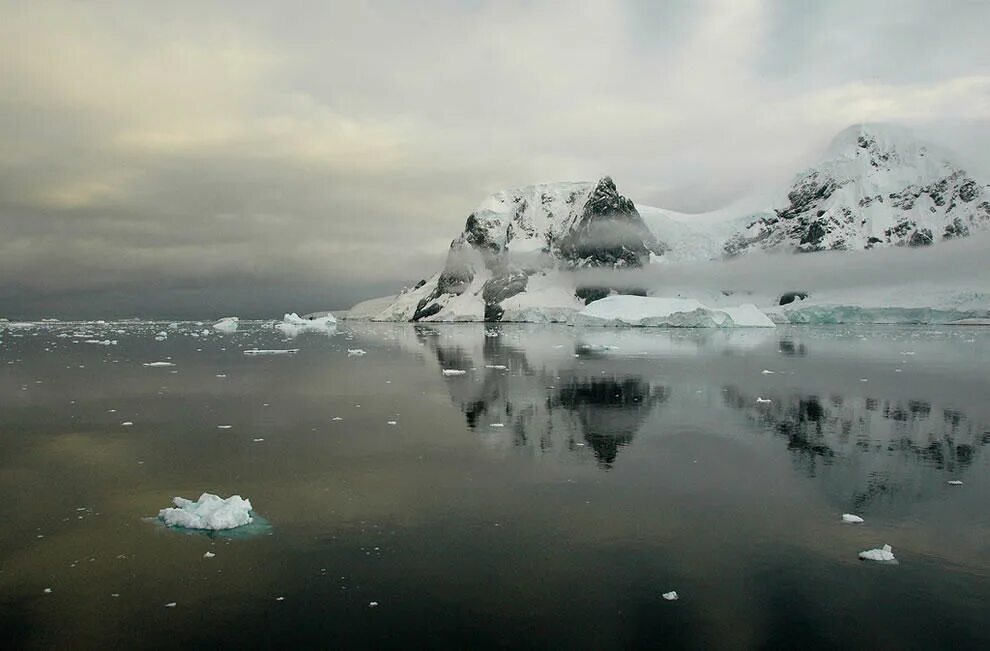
(299, 156)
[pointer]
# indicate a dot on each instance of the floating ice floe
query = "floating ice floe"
(127, 423)
(884, 555)
(761, 400)
(670, 596)
(209, 555)
(210, 512)
(224, 426)
(453, 371)
(293, 324)
(227, 324)
(767, 371)
(158, 364)
(171, 604)
(356, 352)
(271, 351)
(851, 519)
(954, 482)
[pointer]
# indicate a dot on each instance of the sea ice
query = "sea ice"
(851, 519)
(209, 555)
(210, 512)
(158, 364)
(884, 555)
(276, 351)
(356, 352)
(954, 482)
(763, 401)
(670, 596)
(453, 371)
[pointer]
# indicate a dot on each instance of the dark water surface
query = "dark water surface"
(545, 504)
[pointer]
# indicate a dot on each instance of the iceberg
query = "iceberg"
(883, 555)
(210, 512)
(851, 519)
(670, 596)
(625, 310)
(159, 364)
(227, 324)
(292, 324)
(271, 351)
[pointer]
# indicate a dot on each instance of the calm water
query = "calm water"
(546, 498)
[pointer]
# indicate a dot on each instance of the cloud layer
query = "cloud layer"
(258, 157)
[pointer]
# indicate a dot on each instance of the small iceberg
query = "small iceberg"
(276, 351)
(954, 482)
(159, 364)
(356, 352)
(883, 555)
(851, 519)
(453, 371)
(670, 596)
(210, 512)
(227, 324)
(293, 324)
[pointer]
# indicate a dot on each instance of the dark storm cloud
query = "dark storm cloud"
(240, 158)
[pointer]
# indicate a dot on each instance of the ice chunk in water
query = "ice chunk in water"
(159, 364)
(228, 324)
(885, 554)
(671, 596)
(851, 519)
(208, 512)
(293, 324)
(453, 371)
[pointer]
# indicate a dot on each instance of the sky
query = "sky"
(198, 159)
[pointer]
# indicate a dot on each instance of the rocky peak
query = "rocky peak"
(877, 185)
(609, 232)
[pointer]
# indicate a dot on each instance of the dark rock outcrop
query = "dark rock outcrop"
(609, 233)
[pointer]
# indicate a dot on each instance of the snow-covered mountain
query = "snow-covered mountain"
(520, 242)
(877, 185)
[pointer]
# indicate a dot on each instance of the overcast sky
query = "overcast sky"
(200, 158)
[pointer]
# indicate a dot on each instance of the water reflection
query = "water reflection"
(550, 403)
(609, 410)
(573, 392)
(867, 449)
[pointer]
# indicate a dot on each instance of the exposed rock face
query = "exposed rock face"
(610, 232)
(878, 186)
(516, 233)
